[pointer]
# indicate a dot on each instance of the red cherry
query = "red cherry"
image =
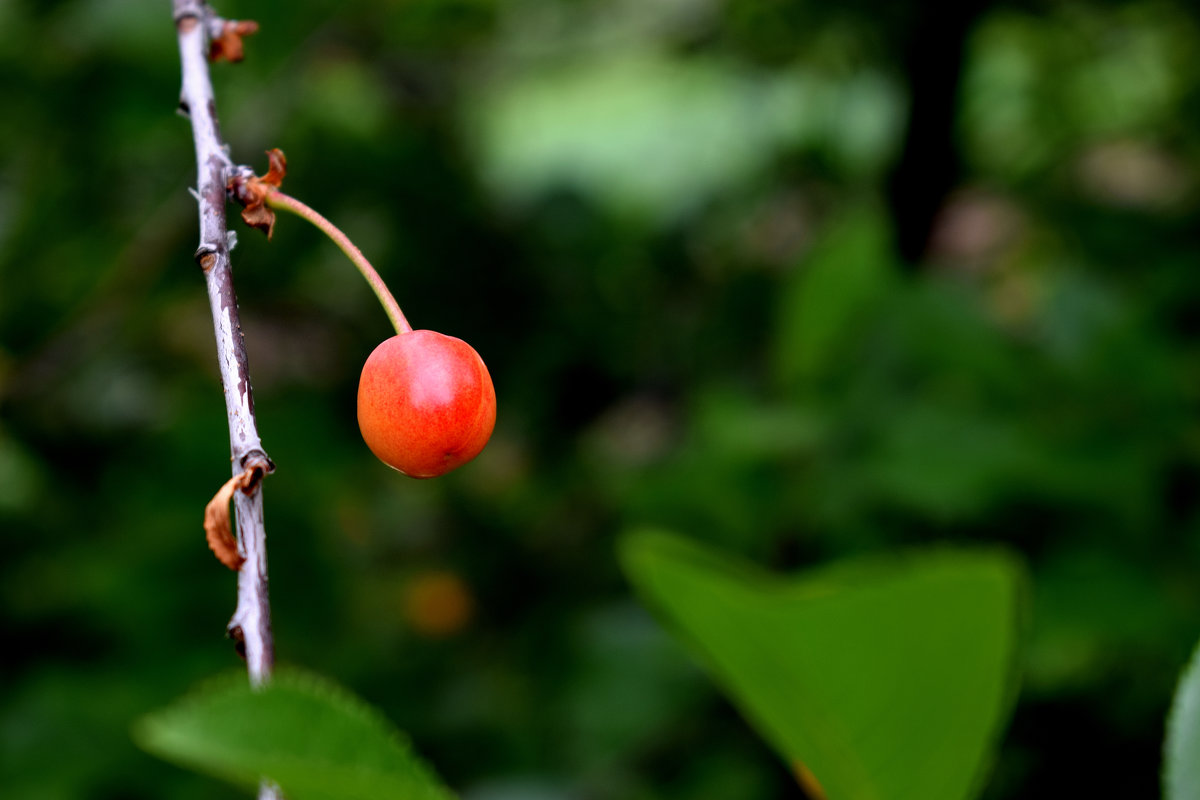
(425, 403)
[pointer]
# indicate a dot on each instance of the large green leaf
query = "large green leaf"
(889, 678)
(311, 737)
(1181, 775)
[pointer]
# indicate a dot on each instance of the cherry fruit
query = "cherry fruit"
(426, 403)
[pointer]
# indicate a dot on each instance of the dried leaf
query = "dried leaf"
(277, 168)
(229, 44)
(252, 192)
(260, 217)
(217, 529)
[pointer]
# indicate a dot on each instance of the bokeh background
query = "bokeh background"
(801, 280)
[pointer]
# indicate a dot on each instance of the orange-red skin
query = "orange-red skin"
(426, 403)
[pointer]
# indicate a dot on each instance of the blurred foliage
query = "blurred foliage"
(315, 740)
(663, 225)
(1181, 767)
(845, 669)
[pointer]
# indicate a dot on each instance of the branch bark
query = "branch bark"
(250, 626)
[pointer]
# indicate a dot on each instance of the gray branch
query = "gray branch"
(250, 626)
(251, 622)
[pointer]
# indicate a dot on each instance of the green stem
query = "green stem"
(279, 200)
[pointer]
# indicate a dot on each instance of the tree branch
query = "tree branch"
(250, 626)
(251, 622)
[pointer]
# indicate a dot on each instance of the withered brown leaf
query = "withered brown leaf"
(252, 192)
(229, 44)
(217, 529)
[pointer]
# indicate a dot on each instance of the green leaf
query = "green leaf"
(1181, 775)
(829, 299)
(638, 130)
(314, 739)
(888, 678)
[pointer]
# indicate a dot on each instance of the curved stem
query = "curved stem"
(279, 200)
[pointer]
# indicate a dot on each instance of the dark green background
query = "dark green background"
(719, 290)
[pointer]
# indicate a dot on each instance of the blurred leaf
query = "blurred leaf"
(663, 135)
(644, 131)
(742, 428)
(887, 679)
(1038, 86)
(311, 737)
(947, 462)
(22, 477)
(829, 296)
(1181, 776)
